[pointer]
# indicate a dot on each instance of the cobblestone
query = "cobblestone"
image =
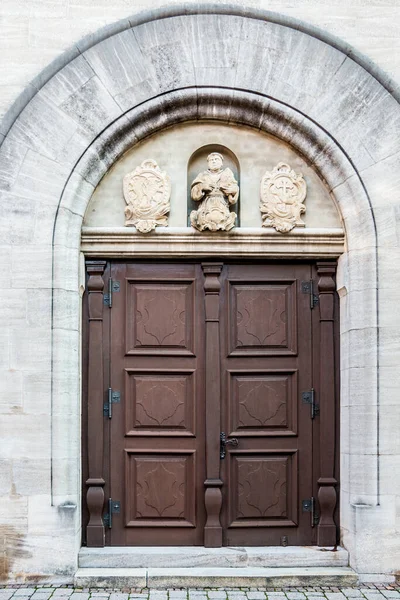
(47, 592)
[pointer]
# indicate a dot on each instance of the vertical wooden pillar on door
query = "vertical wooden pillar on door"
(213, 483)
(95, 482)
(327, 482)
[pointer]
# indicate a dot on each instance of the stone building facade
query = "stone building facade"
(313, 87)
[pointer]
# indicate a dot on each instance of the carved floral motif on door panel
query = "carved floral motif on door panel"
(161, 402)
(263, 490)
(263, 318)
(160, 490)
(263, 403)
(159, 318)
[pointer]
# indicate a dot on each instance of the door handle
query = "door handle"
(224, 442)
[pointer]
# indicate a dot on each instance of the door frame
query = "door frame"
(95, 470)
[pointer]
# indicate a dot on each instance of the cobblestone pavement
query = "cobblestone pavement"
(43, 592)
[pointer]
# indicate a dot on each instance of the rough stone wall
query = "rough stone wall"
(34, 33)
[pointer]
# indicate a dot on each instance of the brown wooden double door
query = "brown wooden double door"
(200, 351)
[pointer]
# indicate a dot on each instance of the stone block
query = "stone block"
(118, 138)
(14, 307)
(40, 179)
(360, 230)
(358, 310)
(14, 513)
(66, 305)
(135, 95)
(119, 62)
(114, 578)
(38, 307)
(380, 127)
(359, 386)
(68, 81)
(362, 475)
(361, 269)
(12, 156)
(11, 398)
(206, 76)
(67, 474)
(43, 127)
(66, 268)
(17, 219)
(361, 349)
(36, 386)
(5, 348)
(30, 349)
(389, 347)
(5, 477)
(68, 229)
(28, 444)
(75, 199)
(31, 266)
(348, 98)
(249, 577)
(91, 107)
(31, 477)
(389, 420)
(363, 430)
(206, 48)
(40, 558)
(44, 519)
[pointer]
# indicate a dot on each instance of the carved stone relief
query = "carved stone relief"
(283, 192)
(147, 192)
(216, 189)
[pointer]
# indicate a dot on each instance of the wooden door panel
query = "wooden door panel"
(160, 401)
(262, 403)
(158, 446)
(263, 318)
(265, 491)
(266, 363)
(160, 489)
(159, 318)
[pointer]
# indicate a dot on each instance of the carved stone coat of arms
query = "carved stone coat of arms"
(147, 192)
(283, 192)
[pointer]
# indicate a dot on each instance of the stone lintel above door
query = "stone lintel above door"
(186, 242)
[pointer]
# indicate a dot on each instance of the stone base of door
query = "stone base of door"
(168, 567)
(207, 577)
(174, 557)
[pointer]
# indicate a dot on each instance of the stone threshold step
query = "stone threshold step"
(215, 577)
(198, 556)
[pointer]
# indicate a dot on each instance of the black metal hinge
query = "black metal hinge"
(309, 398)
(114, 508)
(113, 398)
(309, 505)
(307, 287)
(113, 286)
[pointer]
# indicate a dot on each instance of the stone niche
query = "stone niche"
(198, 162)
(182, 150)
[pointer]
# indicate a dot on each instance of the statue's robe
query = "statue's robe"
(213, 212)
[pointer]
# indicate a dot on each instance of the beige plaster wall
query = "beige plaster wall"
(35, 32)
(256, 152)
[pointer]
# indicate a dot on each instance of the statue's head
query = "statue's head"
(214, 161)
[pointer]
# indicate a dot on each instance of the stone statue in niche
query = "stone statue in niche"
(216, 189)
(283, 192)
(147, 192)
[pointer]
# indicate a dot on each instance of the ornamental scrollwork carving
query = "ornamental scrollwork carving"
(147, 192)
(216, 189)
(283, 192)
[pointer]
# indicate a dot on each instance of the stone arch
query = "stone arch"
(64, 149)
